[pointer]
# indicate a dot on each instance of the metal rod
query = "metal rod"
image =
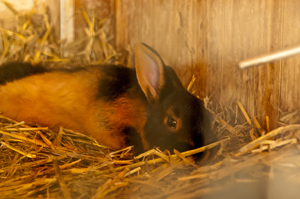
(269, 57)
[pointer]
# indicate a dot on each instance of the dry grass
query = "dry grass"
(39, 163)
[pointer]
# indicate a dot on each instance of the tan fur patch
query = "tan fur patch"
(68, 100)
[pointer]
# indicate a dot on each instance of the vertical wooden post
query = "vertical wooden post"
(54, 12)
(62, 18)
(67, 20)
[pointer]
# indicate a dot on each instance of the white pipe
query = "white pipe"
(269, 57)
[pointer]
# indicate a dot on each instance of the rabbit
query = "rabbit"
(145, 107)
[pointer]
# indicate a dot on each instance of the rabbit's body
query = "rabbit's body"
(74, 99)
(118, 106)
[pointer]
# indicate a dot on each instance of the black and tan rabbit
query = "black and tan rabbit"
(146, 107)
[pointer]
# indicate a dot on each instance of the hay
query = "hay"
(33, 41)
(37, 162)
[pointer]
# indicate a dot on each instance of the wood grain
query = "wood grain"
(99, 9)
(208, 38)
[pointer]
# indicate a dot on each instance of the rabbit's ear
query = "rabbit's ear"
(150, 71)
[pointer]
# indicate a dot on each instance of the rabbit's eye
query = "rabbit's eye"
(171, 122)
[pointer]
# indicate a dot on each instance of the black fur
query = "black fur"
(195, 126)
(69, 70)
(116, 81)
(134, 139)
(17, 70)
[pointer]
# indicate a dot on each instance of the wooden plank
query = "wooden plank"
(100, 9)
(54, 11)
(208, 38)
(290, 87)
(251, 29)
(166, 26)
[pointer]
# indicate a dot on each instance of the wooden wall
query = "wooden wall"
(100, 9)
(211, 36)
